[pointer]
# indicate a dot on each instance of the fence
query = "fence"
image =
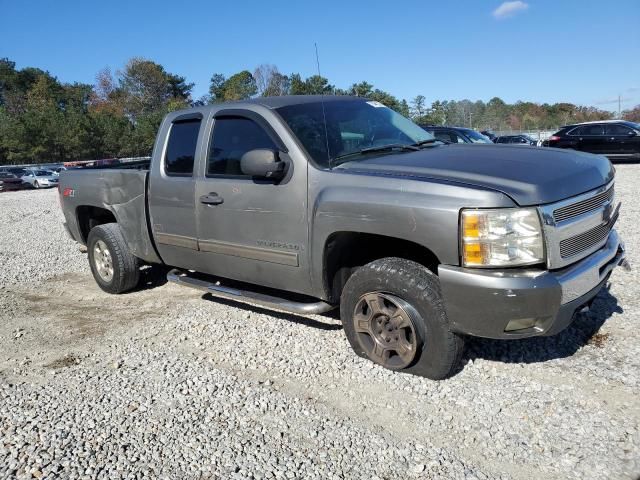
(79, 163)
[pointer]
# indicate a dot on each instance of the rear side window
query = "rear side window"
(181, 147)
(614, 129)
(591, 130)
(232, 138)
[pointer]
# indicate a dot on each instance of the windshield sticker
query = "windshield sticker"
(373, 103)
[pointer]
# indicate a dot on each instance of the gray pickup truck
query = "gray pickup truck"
(305, 204)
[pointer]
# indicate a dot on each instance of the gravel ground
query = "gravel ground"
(168, 383)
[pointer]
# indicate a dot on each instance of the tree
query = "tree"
(145, 87)
(178, 88)
(362, 89)
(216, 87)
(418, 107)
(239, 86)
(270, 82)
(632, 115)
(313, 85)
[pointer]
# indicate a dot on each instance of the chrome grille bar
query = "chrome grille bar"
(579, 243)
(584, 206)
(576, 227)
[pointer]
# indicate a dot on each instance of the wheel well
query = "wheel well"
(344, 251)
(89, 217)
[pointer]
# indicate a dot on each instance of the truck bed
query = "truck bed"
(122, 191)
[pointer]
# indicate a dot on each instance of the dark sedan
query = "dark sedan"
(616, 139)
(456, 134)
(8, 181)
(516, 139)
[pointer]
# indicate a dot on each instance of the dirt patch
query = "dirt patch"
(64, 362)
(598, 340)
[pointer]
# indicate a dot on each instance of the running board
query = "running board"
(182, 278)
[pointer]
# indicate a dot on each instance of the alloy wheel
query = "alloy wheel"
(385, 328)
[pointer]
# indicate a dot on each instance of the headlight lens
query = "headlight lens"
(502, 237)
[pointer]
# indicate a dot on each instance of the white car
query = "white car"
(40, 178)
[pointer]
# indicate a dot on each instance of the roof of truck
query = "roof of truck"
(286, 100)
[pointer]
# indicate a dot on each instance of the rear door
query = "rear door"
(171, 191)
(591, 138)
(621, 140)
(257, 230)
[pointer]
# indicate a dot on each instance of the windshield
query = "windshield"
(42, 173)
(352, 125)
(476, 137)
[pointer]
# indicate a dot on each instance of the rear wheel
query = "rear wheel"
(393, 314)
(114, 268)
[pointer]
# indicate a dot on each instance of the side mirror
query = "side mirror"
(262, 163)
(632, 133)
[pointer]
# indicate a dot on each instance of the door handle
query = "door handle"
(212, 199)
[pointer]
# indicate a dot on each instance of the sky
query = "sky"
(584, 52)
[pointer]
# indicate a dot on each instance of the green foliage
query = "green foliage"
(44, 120)
(239, 86)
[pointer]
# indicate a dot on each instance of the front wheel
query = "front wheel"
(393, 314)
(36, 184)
(114, 268)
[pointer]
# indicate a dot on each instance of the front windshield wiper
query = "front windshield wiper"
(390, 146)
(429, 141)
(379, 148)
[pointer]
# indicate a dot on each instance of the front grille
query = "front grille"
(574, 245)
(584, 206)
(585, 240)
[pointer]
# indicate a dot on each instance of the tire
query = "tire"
(417, 329)
(106, 248)
(36, 184)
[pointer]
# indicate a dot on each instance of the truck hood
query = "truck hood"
(529, 175)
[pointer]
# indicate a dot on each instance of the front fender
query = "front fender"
(425, 213)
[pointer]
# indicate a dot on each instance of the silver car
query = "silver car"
(40, 178)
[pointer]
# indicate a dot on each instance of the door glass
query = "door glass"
(592, 130)
(443, 136)
(618, 130)
(232, 138)
(181, 147)
(457, 138)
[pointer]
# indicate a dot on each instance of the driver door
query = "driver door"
(249, 229)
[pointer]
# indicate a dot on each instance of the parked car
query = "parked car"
(8, 181)
(616, 139)
(516, 139)
(17, 171)
(40, 178)
(57, 170)
(335, 201)
(456, 134)
(489, 134)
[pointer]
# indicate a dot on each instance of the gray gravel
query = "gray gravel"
(167, 383)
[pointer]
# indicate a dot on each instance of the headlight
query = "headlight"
(501, 237)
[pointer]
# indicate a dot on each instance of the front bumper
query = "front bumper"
(494, 303)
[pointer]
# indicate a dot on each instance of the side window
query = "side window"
(181, 147)
(614, 129)
(592, 130)
(442, 136)
(232, 138)
(455, 138)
